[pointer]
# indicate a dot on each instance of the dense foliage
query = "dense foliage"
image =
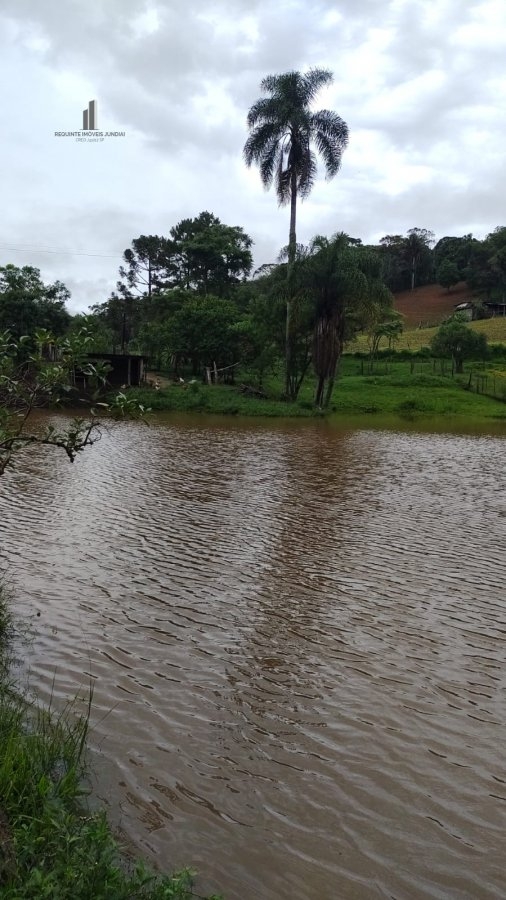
(456, 340)
(164, 306)
(190, 303)
(27, 304)
(40, 371)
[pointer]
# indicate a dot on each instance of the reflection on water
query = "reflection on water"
(296, 638)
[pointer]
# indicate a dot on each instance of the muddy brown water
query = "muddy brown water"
(296, 636)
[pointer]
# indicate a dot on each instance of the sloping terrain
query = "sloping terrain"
(429, 305)
(424, 309)
(416, 338)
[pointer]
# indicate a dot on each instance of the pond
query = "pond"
(296, 638)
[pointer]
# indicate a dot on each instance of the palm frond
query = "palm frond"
(330, 135)
(266, 109)
(271, 158)
(283, 181)
(260, 140)
(313, 81)
(319, 242)
(301, 253)
(306, 174)
(270, 84)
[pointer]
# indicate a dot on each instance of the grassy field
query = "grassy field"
(403, 388)
(408, 395)
(396, 390)
(415, 339)
(220, 400)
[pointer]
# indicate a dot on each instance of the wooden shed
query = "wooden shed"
(465, 309)
(127, 369)
(496, 307)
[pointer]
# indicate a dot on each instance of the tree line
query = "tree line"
(191, 300)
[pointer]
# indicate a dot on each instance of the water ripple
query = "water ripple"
(297, 644)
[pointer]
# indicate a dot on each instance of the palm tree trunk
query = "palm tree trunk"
(292, 239)
(292, 246)
(319, 392)
(330, 388)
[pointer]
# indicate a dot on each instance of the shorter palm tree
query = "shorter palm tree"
(343, 283)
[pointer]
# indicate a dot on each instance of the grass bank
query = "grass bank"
(415, 394)
(51, 848)
(221, 400)
(403, 388)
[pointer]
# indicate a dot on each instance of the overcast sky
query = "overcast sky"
(421, 84)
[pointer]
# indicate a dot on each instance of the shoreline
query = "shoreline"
(394, 397)
(55, 841)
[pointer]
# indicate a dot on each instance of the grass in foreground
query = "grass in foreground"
(50, 848)
(408, 395)
(403, 388)
(220, 400)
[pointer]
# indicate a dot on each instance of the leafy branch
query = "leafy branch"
(42, 371)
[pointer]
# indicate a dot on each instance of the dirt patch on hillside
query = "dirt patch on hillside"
(428, 305)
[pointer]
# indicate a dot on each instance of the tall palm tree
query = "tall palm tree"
(283, 129)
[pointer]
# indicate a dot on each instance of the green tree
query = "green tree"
(258, 330)
(486, 271)
(384, 325)
(344, 283)
(418, 250)
(447, 274)
(101, 338)
(27, 304)
(479, 273)
(283, 129)
(207, 256)
(459, 342)
(202, 255)
(203, 331)
(457, 250)
(393, 261)
(39, 371)
(497, 243)
(407, 260)
(272, 284)
(120, 315)
(145, 266)
(143, 275)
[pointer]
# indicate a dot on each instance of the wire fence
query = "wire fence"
(491, 383)
(478, 378)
